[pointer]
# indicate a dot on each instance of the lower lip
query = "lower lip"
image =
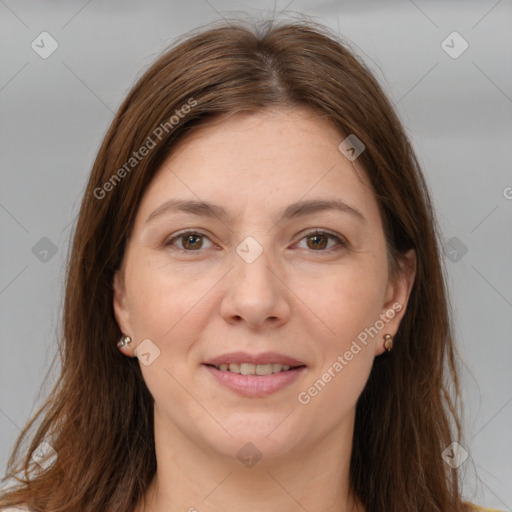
(256, 385)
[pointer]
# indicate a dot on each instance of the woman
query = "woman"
(255, 308)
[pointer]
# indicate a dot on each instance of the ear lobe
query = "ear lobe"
(120, 303)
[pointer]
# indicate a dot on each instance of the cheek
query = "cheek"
(349, 304)
(349, 298)
(157, 299)
(167, 304)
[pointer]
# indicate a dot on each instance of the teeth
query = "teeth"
(234, 367)
(263, 369)
(254, 369)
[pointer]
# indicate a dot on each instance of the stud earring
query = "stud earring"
(388, 342)
(125, 340)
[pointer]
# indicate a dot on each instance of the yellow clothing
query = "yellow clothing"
(476, 508)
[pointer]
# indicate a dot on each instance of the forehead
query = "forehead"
(265, 160)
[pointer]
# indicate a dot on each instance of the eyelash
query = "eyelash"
(339, 240)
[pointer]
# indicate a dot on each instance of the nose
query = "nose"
(256, 293)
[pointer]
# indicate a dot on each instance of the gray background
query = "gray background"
(458, 112)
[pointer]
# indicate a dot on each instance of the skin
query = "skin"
(296, 299)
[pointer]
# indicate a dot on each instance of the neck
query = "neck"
(194, 478)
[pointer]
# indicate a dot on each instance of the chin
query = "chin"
(253, 444)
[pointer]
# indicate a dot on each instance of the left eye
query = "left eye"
(317, 236)
(192, 239)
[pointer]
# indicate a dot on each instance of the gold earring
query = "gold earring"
(388, 342)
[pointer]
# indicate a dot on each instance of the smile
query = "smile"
(255, 369)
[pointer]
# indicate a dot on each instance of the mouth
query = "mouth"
(254, 375)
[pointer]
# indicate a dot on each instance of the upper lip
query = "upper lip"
(263, 358)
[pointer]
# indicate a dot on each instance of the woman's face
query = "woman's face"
(270, 275)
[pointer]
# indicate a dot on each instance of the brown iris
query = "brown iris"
(316, 237)
(192, 236)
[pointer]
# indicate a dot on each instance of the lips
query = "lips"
(255, 375)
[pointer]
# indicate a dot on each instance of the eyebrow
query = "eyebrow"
(294, 210)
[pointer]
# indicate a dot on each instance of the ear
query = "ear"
(397, 296)
(121, 310)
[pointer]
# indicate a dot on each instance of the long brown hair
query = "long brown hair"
(99, 416)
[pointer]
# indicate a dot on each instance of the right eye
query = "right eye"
(190, 238)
